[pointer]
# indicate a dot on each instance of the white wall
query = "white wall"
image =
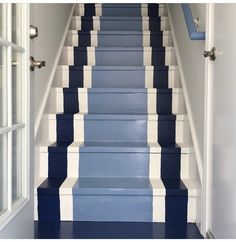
(192, 62)
(51, 20)
(199, 10)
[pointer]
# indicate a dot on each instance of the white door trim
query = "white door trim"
(208, 123)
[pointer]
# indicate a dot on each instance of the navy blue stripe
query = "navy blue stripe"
(80, 56)
(86, 23)
(164, 102)
(84, 39)
(176, 202)
(89, 9)
(160, 77)
(158, 57)
(48, 200)
(76, 77)
(154, 24)
(65, 128)
(166, 129)
(170, 165)
(71, 103)
(153, 9)
(156, 39)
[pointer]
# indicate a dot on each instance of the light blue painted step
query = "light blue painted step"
(111, 199)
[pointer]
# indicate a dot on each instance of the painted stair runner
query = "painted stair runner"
(118, 144)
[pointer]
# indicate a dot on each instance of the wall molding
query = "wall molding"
(187, 102)
(192, 31)
(51, 78)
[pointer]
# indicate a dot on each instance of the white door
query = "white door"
(222, 83)
(15, 118)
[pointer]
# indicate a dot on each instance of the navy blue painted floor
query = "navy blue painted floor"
(115, 230)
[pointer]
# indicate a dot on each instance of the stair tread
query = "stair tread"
(116, 147)
(118, 186)
(118, 90)
(125, 32)
(97, 67)
(115, 116)
(132, 18)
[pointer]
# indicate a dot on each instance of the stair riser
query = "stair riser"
(102, 24)
(115, 130)
(107, 77)
(119, 164)
(121, 57)
(108, 10)
(89, 101)
(115, 208)
(114, 39)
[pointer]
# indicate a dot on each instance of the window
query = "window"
(14, 131)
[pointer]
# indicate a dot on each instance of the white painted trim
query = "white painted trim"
(186, 98)
(50, 81)
(208, 124)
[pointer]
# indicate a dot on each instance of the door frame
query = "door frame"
(13, 209)
(208, 124)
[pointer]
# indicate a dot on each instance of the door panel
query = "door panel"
(223, 211)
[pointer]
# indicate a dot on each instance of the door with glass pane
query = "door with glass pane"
(14, 110)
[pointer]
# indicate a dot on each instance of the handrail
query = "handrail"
(192, 31)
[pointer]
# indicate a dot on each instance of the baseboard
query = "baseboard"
(50, 80)
(187, 102)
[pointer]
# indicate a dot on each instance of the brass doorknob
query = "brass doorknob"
(36, 64)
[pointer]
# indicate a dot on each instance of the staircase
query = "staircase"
(115, 143)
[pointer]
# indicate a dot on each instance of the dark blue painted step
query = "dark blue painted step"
(115, 230)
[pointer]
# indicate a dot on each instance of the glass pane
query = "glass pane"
(3, 178)
(2, 86)
(14, 23)
(16, 166)
(16, 89)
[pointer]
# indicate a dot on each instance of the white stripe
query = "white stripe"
(96, 23)
(148, 77)
(144, 10)
(52, 128)
(98, 9)
(59, 101)
(94, 38)
(147, 56)
(155, 166)
(152, 130)
(83, 100)
(146, 39)
(73, 164)
(66, 199)
(43, 165)
(152, 101)
(91, 56)
(81, 9)
(35, 208)
(78, 129)
(145, 25)
(87, 76)
(158, 202)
